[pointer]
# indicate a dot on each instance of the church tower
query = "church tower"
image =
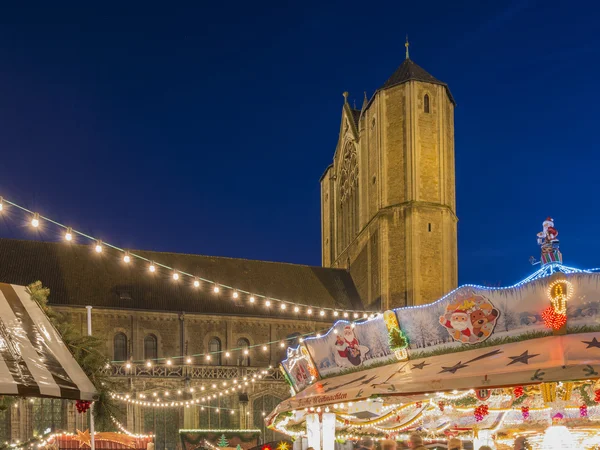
(388, 209)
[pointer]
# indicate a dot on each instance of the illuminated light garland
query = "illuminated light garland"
(370, 423)
(455, 395)
(552, 319)
(171, 404)
(120, 426)
(558, 296)
(36, 219)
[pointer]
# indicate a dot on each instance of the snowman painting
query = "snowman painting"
(348, 351)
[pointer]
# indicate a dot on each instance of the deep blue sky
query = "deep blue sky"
(205, 128)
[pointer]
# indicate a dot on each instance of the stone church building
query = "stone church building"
(388, 240)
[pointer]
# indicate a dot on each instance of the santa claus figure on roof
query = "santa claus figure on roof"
(549, 234)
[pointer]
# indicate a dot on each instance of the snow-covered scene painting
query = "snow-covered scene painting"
(472, 315)
(349, 347)
(299, 368)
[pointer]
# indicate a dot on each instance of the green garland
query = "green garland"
(27, 443)
(88, 352)
(589, 401)
(465, 402)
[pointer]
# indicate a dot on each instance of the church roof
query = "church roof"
(409, 71)
(77, 276)
(355, 116)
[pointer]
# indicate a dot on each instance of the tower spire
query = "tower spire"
(407, 44)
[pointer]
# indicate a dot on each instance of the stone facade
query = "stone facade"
(394, 224)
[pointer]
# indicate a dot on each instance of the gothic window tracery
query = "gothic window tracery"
(348, 197)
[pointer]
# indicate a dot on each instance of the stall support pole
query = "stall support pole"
(328, 431)
(313, 431)
(92, 430)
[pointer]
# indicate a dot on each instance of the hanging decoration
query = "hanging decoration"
(82, 406)
(597, 395)
(441, 405)
(481, 412)
(525, 412)
(518, 391)
(583, 410)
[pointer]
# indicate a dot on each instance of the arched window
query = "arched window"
(426, 103)
(214, 348)
(150, 347)
(243, 344)
(120, 352)
(348, 196)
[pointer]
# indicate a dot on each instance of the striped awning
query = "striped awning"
(34, 361)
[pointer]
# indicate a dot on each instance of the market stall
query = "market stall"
(481, 364)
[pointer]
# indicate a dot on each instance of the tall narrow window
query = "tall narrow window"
(120, 347)
(214, 348)
(150, 347)
(348, 189)
(426, 103)
(243, 359)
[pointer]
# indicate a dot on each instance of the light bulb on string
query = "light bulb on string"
(208, 357)
(152, 267)
(345, 314)
(188, 360)
(1, 204)
(282, 344)
(365, 315)
(252, 299)
(148, 364)
(283, 306)
(69, 235)
(309, 311)
(196, 282)
(35, 220)
(227, 354)
(235, 294)
(216, 289)
(264, 348)
(169, 362)
(175, 276)
(268, 303)
(296, 309)
(356, 315)
(335, 314)
(246, 351)
(127, 258)
(322, 313)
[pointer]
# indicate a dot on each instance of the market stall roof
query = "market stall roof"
(34, 360)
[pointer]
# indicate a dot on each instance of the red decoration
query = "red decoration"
(441, 405)
(583, 410)
(266, 447)
(480, 412)
(525, 412)
(552, 319)
(483, 394)
(597, 396)
(419, 405)
(518, 391)
(82, 406)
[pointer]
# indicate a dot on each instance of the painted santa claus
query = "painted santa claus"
(458, 323)
(349, 352)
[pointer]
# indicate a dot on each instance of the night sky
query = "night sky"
(205, 128)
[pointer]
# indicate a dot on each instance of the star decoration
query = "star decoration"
(522, 358)
(84, 438)
(420, 366)
(283, 446)
(593, 343)
(454, 368)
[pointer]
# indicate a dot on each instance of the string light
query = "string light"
(283, 306)
(216, 289)
(35, 220)
(98, 247)
(268, 303)
(1, 204)
(127, 258)
(152, 268)
(252, 299)
(196, 283)
(235, 294)
(69, 235)
(296, 309)
(175, 276)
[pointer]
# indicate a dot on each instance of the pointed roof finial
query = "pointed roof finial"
(345, 94)
(407, 45)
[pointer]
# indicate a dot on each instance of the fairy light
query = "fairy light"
(265, 348)
(309, 311)
(283, 306)
(296, 309)
(35, 220)
(251, 299)
(235, 294)
(335, 314)
(69, 235)
(1, 204)
(149, 364)
(267, 303)
(196, 283)
(208, 357)
(322, 313)
(216, 289)
(175, 276)
(227, 354)
(127, 258)
(152, 268)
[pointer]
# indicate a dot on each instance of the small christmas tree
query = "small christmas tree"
(223, 442)
(238, 447)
